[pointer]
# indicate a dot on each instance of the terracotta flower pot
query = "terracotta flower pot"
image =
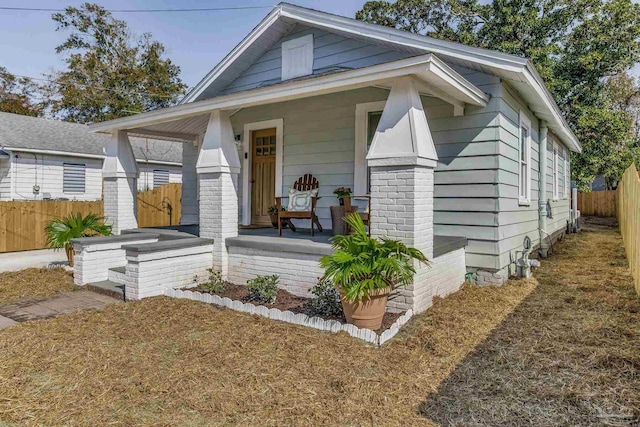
(367, 313)
(70, 253)
(274, 219)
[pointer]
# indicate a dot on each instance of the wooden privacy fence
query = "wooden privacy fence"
(629, 220)
(160, 206)
(22, 223)
(598, 203)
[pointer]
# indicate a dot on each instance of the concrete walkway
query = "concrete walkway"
(14, 261)
(38, 308)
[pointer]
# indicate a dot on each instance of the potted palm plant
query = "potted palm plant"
(60, 231)
(365, 270)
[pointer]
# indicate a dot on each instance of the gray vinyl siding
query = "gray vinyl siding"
(517, 221)
(471, 175)
(330, 51)
(5, 179)
(319, 138)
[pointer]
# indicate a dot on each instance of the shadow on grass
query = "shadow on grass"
(569, 355)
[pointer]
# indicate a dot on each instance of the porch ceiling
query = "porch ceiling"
(185, 121)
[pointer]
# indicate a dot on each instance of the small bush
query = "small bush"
(327, 300)
(263, 289)
(215, 285)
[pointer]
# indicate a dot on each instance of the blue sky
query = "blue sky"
(195, 41)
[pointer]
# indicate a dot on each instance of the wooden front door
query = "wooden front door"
(263, 175)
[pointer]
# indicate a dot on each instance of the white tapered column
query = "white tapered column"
(120, 183)
(218, 167)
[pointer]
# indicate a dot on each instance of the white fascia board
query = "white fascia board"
(158, 162)
(255, 34)
(345, 80)
(466, 91)
(560, 127)
(457, 50)
(54, 153)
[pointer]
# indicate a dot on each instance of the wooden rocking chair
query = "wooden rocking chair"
(304, 183)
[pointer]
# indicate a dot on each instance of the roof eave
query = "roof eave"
(424, 65)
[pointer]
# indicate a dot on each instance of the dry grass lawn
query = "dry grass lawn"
(34, 283)
(569, 355)
(165, 362)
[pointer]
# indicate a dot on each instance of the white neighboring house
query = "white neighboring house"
(47, 159)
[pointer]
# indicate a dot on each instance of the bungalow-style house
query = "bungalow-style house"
(462, 152)
(44, 159)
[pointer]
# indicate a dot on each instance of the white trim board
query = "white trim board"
(427, 67)
(246, 161)
(525, 122)
(360, 159)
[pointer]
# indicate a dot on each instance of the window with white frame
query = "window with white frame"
(74, 177)
(556, 162)
(567, 175)
(524, 159)
(297, 57)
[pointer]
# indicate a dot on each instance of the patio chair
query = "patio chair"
(304, 183)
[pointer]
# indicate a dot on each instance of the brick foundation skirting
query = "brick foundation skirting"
(298, 272)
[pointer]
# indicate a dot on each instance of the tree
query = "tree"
(16, 95)
(110, 72)
(579, 47)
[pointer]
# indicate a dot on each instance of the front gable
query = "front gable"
(342, 44)
(331, 52)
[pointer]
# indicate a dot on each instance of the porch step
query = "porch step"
(117, 274)
(107, 287)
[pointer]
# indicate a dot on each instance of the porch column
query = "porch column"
(402, 158)
(120, 183)
(542, 195)
(218, 168)
(189, 197)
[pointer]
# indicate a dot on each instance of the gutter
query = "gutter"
(84, 155)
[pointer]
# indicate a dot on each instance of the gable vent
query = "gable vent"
(297, 57)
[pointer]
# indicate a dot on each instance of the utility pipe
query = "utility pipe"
(542, 196)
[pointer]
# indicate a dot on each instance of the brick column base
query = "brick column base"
(402, 209)
(219, 213)
(120, 203)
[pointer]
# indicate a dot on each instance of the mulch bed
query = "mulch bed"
(287, 301)
(34, 283)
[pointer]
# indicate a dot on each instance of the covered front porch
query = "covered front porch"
(366, 129)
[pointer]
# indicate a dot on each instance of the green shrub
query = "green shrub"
(361, 264)
(215, 285)
(263, 289)
(327, 300)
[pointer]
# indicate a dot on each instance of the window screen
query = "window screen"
(160, 177)
(74, 177)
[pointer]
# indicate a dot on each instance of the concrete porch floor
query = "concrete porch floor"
(301, 239)
(300, 233)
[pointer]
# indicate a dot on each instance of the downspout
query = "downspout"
(542, 197)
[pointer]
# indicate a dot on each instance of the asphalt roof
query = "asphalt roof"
(34, 133)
